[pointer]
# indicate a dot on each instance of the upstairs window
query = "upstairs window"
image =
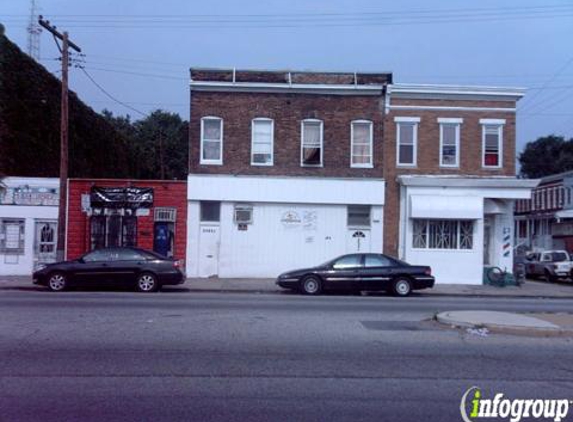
(262, 142)
(450, 142)
(311, 148)
(211, 140)
(361, 143)
(492, 142)
(406, 140)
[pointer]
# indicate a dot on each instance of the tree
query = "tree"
(545, 156)
(158, 144)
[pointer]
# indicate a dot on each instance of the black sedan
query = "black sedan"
(358, 272)
(145, 270)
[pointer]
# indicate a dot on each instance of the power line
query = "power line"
(319, 20)
(111, 96)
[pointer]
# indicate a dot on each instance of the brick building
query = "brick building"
(546, 220)
(288, 169)
(110, 212)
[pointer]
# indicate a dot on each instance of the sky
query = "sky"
(139, 52)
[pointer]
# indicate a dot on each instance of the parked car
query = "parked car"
(145, 270)
(359, 272)
(552, 265)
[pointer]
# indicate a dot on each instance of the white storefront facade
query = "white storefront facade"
(28, 223)
(457, 225)
(252, 226)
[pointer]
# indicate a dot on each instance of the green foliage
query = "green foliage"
(158, 144)
(545, 156)
(99, 145)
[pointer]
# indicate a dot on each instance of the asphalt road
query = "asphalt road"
(121, 356)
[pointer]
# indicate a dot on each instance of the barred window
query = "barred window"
(442, 234)
(12, 236)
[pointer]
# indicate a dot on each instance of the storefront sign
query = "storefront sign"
(26, 195)
(291, 219)
(121, 197)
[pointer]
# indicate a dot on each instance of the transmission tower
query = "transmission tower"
(34, 31)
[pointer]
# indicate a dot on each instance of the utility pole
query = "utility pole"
(33, 33)
(63, 204)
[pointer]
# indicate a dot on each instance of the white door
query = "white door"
(45, 242)
(208, 251)
(358, 240)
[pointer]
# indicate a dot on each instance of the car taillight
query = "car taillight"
(428, 271)
(177, 263)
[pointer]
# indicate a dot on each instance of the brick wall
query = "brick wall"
(287, 110)
(428, 153)
(166, 194)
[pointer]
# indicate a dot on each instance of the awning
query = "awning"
(121, 197)
(564, 214)
(446, 207)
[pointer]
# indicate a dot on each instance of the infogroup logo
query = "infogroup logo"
(513, 409)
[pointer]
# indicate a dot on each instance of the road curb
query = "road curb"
(447, 319)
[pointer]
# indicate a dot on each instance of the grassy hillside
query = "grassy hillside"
(30, 125)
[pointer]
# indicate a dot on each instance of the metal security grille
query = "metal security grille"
(97, 232)
(129, 231)
(165, 214)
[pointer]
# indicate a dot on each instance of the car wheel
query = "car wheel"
(311, 285)
(57, 282)
(402, 287)
(147, 282)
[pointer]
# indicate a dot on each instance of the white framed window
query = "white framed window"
(211, 140)
(492, 142)
(450, 142)
(358, 215)
(311, 145)
(442, 234)
(262, 142)
(406, 140)
(361, 144)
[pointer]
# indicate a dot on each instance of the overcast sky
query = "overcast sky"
(140, 51)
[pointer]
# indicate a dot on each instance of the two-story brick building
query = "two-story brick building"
(546, 220)
(288, 169)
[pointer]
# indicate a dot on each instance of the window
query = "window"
(12, 236)
(361, 143)
(210, 211)
(311, 144)
(442, 234)
(165, 214)
(349, 261)
(492, 142)
(98, 256)
(211, 140)
(450, 142)
(262, 132)
(126, 255)
(377, 261)
(243, 214)
(406, 140)
(358, 216)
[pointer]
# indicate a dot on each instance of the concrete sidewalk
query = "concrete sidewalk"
(529, 289)
(510, 323)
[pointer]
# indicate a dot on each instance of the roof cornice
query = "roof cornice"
(336, 89)
(457, 91)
